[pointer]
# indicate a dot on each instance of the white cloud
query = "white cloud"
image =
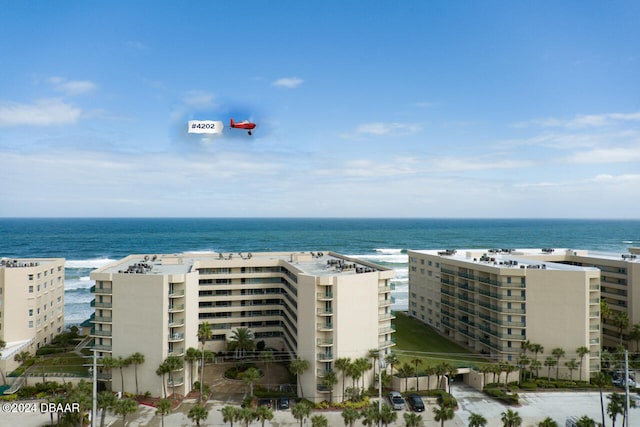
(583, 121)
(288, 82)
(607, 155)
(43, 112)
(383, 129)
(72, 87)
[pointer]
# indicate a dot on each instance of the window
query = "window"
(31, 324)
(30, 289)
(30, 312)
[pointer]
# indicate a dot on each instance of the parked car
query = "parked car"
(397, 402)
(283, 402)
(415, 402)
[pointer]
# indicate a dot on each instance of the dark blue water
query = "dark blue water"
(90, 243)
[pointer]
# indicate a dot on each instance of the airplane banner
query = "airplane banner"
(205, 126)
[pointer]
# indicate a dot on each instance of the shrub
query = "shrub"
(529, 385)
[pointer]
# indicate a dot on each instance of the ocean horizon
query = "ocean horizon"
(90, 243)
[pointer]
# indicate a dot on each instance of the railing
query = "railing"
(325, 311)
(100, 290)
(325, 356)
(175, 381)
(325, 342)
(325, 326)
(176, 294)
(176, 307)
(176, 337)
(325, 295)
(100, 304)
(176, 352)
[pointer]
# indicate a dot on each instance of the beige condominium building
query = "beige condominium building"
(319, 306)
(494, 300)
(31, 305)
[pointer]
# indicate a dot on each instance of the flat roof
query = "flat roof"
(320, 263)
(508, 258)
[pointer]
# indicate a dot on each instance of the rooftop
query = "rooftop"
(312, 263)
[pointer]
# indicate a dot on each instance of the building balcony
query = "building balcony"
(101, 319)
(176, 293)
(96, 304)
(383, 331)
(325, 342)
(99, 333)
(387, 288)
(325, 357)
(176, 337)
(386, 343)
(176, 323)
(325, 327)
(100, 290)
(174, 308)
(175, 382)
(325, 311)
(176, 352)
(322, 373)
(325, 296)
(102, 347)
(386, 316)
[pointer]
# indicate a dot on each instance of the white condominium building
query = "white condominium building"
(494, 300)
(31, 305)
(318, 306)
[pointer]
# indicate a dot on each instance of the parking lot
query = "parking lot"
(534, 407)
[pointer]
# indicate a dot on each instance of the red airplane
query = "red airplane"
(243, 125)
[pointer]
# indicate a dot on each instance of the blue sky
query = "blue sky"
(364, 108)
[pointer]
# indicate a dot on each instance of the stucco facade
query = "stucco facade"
(318, 306)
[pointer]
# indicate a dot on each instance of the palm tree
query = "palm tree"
(297, 368)
(241, 342)
(250, 377)
(549, 362)
(363, 366)
(125, 407)
(370, 415)
(484, 370)
(511, 419)
(547, 422)
(634, 335)
(343, 364)
(204, 334)
(301, 411)
(585, 421)
(247, 415)
(121, 363)
(417, 361)
(173, 363)
(191, 356)
(229, 414)
(388, 415)
(508, 368)
(392, 360)
(267, 357)
(161, 372)
(621, 321)
(601, 380)
(404, 371)
(136, 359)
(350, 416)
(582, 352)
(163, 408)
(330, 380)
(263, 413)
(557, 353)
(411, 419)
(572, 365)
(23, 357)
(319, 421)
(443, 413)
(615, 407)
(198, 413)
(105, 400)
(374, 355)
(477, 420)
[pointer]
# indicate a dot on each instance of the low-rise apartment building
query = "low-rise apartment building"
(495, 300)
(31, 305)
(319, 306)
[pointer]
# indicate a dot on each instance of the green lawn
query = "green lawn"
(414, 340)
(68, 362)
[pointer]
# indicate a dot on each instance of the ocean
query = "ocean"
(89, 243)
